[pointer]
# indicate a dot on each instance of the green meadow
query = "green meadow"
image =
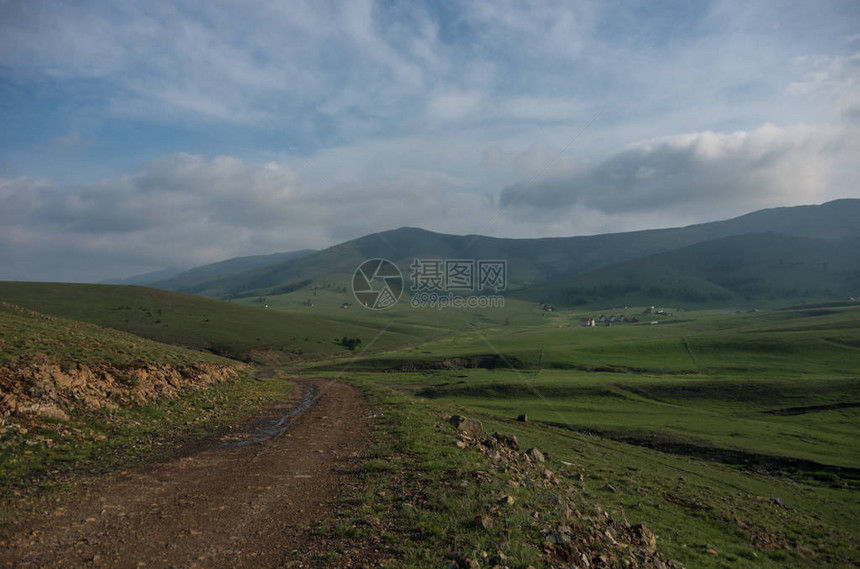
(223, 328)
(723, 431)
(731, 434)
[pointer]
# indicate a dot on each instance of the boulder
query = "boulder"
(469, 427)
(535, 455)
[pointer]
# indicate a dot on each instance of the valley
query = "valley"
(714, 436)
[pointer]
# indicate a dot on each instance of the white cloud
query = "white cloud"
(455, 105)
(183, 210)
(833, 79)
(704, 172)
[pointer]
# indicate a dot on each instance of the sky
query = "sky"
(141, 135)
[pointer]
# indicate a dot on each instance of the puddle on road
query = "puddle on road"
(279, 425)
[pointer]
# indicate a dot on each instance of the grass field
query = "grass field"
(220, 327)
(732, 435)
(799, 342)
(735, 433)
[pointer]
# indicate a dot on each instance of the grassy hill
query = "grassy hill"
(732, 271)
(68, 343)
(533, 261)
(223, 328)
(79, 399)
(194, 280)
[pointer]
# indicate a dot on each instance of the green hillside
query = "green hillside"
(193, 280)
(219, 327)
(79, 399)
(24, 333)
(532, 261)
(733, 271)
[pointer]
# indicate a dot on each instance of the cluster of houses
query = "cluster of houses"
(606, 320)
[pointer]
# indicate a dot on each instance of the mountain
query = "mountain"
(532, 262)
(145, 278)
(194, 280)
(727, 271)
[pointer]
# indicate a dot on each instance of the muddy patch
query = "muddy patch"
(272, 428)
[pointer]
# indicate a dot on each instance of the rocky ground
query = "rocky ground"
(36, 387)
(575, 534)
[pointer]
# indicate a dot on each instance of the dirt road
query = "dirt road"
(233, 502)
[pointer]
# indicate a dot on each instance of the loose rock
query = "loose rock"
(469, 427)
(535, 455)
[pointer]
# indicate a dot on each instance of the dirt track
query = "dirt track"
(230, 503)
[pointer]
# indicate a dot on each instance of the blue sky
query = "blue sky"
(141, 135)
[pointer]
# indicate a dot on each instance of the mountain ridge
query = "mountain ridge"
(536, 260)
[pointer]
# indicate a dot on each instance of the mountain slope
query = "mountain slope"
(191, 280)
(730, 270)
(532, 261)
(145, 278)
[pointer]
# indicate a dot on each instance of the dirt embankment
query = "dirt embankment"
(36, 387)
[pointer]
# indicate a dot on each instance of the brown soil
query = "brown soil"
(234, 502)
(38, 388)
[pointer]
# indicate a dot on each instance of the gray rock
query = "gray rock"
(535, 455)
(469, 427)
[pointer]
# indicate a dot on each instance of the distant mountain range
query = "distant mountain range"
(144, 279)
(195, 281)
(186, 280)
(790, 252)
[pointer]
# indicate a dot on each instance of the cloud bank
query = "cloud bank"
(703, 172)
